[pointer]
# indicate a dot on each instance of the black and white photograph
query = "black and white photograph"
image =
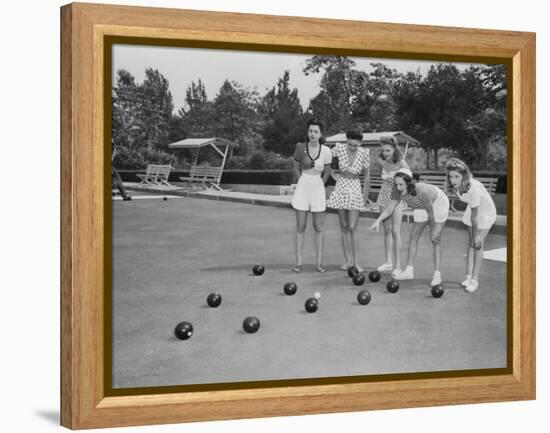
(282, 216)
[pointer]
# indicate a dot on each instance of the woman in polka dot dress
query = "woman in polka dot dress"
(347, 196)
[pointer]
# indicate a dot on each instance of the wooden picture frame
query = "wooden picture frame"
(84, 224)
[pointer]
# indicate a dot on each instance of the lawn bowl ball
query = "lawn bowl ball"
(352, 270)
(363, 297)
(392, 286)
(251, 325)
(311, 305)
(184, 330)
(258, 270)
(290, 289)
(437, 291)
(359, 279)
(214, 300)
(374, 276)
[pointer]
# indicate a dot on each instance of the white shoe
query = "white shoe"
(472, 287)
(407, 274)
(386, 267)
(466, 282)
(395, 272)
(436, 279)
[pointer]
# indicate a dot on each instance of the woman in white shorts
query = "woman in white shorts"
(479, 217)
(312, 169)
(431, 206)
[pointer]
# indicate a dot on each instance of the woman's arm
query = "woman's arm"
(385, 214)
(326, 173)
(434, 236)
(295, 171)
(366, 185)
(477, 243)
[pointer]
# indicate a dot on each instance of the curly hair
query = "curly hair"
(321, 125)
(455, 164)
(354, 134)
(391, 141)
(409, 181)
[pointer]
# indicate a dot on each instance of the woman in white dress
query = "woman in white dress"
(479, 216)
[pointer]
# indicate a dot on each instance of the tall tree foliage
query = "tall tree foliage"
(283, 117)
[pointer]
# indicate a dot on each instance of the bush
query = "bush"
(257, 161)
(134, 159)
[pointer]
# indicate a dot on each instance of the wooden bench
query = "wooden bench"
(205, 177)
(155, 175)
(439, 180)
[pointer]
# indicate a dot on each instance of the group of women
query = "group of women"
(315, 162)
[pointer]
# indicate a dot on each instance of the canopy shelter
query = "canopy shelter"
(220, 145)
(373, 139)
(206, 177)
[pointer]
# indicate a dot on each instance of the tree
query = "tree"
(125, 110)
(282, 113)
(334, 102)
(197, 119)
(156, 110)
(236, 119)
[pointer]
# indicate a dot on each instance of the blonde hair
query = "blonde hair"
(391, 141)
(455, 164)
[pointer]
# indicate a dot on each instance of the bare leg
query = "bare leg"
(301, 223)
(478, 254)
(318, 228)
(388, 239)
(469, 254)
(396, 219)
(438, 228)
(416, 232)
(344, 234)
(353, 218)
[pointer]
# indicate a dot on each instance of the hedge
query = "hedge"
(284, 177)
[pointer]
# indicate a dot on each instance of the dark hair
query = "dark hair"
(455, 164)
(391, 141)
(354, 134)
(409, 181)
(321, 125)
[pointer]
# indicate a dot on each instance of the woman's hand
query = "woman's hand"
(375, 227)
(477, 243)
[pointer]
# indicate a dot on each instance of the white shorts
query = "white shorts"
(309, 194)
(484, 220)
(440, 206)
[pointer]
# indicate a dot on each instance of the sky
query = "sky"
(257, 70)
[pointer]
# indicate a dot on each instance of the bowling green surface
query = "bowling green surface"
(169, 255)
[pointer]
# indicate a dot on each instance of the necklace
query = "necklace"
(310, 157)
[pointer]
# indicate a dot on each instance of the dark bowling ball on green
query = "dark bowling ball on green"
(392, 286)
(363, 297)
(290, 288)
(359, 279)
(258, 269)
(184, 330)
(374, 276)
(311, 305)
(352, 270)
(437, 291)
(214, 300)
(251, 325)
(165, 198)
